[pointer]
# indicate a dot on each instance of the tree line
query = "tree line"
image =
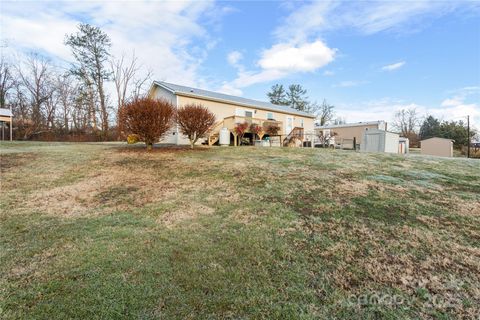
(49, 101)
(411, 125)
(407, 122)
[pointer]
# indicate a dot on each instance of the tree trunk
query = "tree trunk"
(149, 146)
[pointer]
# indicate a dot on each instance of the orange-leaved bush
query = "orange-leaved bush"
(149, 119)
(194, 121)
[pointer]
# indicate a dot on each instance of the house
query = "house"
(345, 134)
(230, 110)
(376, 140)
(6, 116)
(435, 146)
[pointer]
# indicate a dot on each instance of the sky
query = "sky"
(367, 58)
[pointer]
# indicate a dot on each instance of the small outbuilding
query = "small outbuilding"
(403, 145)
(375, 140)
(6, 117)
(435, 146)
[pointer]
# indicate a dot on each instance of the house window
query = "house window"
(270, 116)
(248, 114)
(301, 123)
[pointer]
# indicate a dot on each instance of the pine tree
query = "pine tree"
(430, 128)
(90, 47)
(277, 95)
(297, 97)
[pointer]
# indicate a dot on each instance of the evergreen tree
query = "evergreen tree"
(277, 95)
(430, 128)
(297, 97)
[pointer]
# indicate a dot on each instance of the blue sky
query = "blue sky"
(369, 59)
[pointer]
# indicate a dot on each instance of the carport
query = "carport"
(6, 117)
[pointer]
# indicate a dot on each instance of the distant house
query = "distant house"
(435, 146)
(230, 110)
(346, 133)
(6, 117)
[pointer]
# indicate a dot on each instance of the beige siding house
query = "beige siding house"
(231, 110)
(345, 133)
(440, 147)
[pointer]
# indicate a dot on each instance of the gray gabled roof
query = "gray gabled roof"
(347, 125)
(200, 93)
(5, 112)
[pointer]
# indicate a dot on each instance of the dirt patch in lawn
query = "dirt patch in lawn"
(186, 212)
(416, 262)
(14, 160)
(160, 149)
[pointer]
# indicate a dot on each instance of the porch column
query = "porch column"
(234, 139)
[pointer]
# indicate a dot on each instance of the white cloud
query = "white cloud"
(366, 17)
(283, 59)
(295, 51)
(328, 73)
(451, 102)
(234, 57)
(349, 83)
(229, 89)
(393, 66)
(162, 33)
(290, 58)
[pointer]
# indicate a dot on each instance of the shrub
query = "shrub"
(240, 129)
(271, 128)
(149, 119)
(132, 139)
(256, 130)
(194, 121)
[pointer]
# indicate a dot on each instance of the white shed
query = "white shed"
(375, 140)
(435, 146)
(403, 145)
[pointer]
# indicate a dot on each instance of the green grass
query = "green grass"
(108, 231)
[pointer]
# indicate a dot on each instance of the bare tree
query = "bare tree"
(36, 77)
(6, 81)
(66, 90)
(324, 112)
(406, 121)
(139, 84)
(122, 74)
(129, 84)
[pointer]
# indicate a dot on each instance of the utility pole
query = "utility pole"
(468, 136)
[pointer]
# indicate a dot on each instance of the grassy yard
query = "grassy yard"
(101, 231)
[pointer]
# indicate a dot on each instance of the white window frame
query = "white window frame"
(241, 112)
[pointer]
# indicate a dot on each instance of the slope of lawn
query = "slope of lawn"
(101, 231)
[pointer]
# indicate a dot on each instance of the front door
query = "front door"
(288, 125)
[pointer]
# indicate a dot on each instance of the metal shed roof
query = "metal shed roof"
(200, 93)
(5, 112)
(348, 125)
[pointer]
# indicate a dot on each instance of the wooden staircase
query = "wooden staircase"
(214, 135)
(295, 135)
(213, 138)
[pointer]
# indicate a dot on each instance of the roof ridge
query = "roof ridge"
(179, 89)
